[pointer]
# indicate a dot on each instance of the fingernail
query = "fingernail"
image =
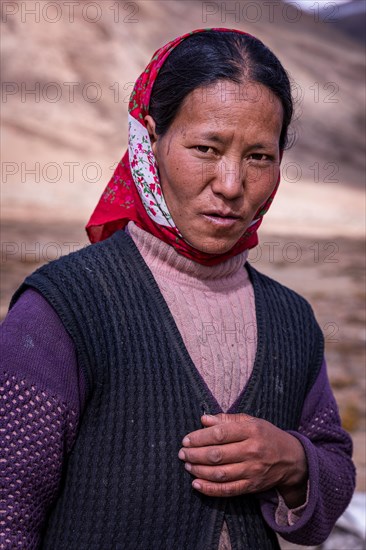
(188, 466)
(196, 485)
(186, 441)
(181, 454)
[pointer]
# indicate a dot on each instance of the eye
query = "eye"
(259, 156)
(203, 148)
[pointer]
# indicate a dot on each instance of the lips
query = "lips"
(222, 214)
(221, 219)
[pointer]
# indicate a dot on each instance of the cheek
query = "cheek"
(182, 179)
(260, 182)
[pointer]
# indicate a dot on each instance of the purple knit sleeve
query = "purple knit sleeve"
(328, 451)
(42, 395)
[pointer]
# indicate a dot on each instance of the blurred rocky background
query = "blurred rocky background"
(67, 71)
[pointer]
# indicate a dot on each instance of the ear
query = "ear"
(150, 125)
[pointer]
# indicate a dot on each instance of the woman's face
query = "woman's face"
(219, 161)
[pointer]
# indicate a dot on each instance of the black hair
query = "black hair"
(204, 58)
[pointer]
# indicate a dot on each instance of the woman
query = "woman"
(163, 393)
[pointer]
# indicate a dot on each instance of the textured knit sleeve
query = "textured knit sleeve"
(331, 484)
(41, 399)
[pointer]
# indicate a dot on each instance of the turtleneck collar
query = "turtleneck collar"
(164, 260)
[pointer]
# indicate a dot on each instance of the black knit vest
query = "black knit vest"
(123, 486)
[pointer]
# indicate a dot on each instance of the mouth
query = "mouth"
(220, 218)
(222, 214)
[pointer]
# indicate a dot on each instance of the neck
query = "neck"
(165, 260)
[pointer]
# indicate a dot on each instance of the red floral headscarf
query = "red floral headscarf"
(134, 191)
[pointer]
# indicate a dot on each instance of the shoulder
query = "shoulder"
(81, 288)
(85, 267)
(272, 290)
(290, 319)
(284, 307)
(92, 252)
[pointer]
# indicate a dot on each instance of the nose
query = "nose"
(228, 180)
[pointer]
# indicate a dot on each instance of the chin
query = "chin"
(212, 247)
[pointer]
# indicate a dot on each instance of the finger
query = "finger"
(219, 434)
(215, 454)
(213, 419)
(230, 489)
(219, 474)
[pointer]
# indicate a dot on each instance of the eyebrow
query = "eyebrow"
(212, 137)
(216, 138)
(265, 145)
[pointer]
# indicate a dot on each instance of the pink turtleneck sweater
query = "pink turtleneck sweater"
(213, 307)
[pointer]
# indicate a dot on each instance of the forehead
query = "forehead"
(226, 106)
